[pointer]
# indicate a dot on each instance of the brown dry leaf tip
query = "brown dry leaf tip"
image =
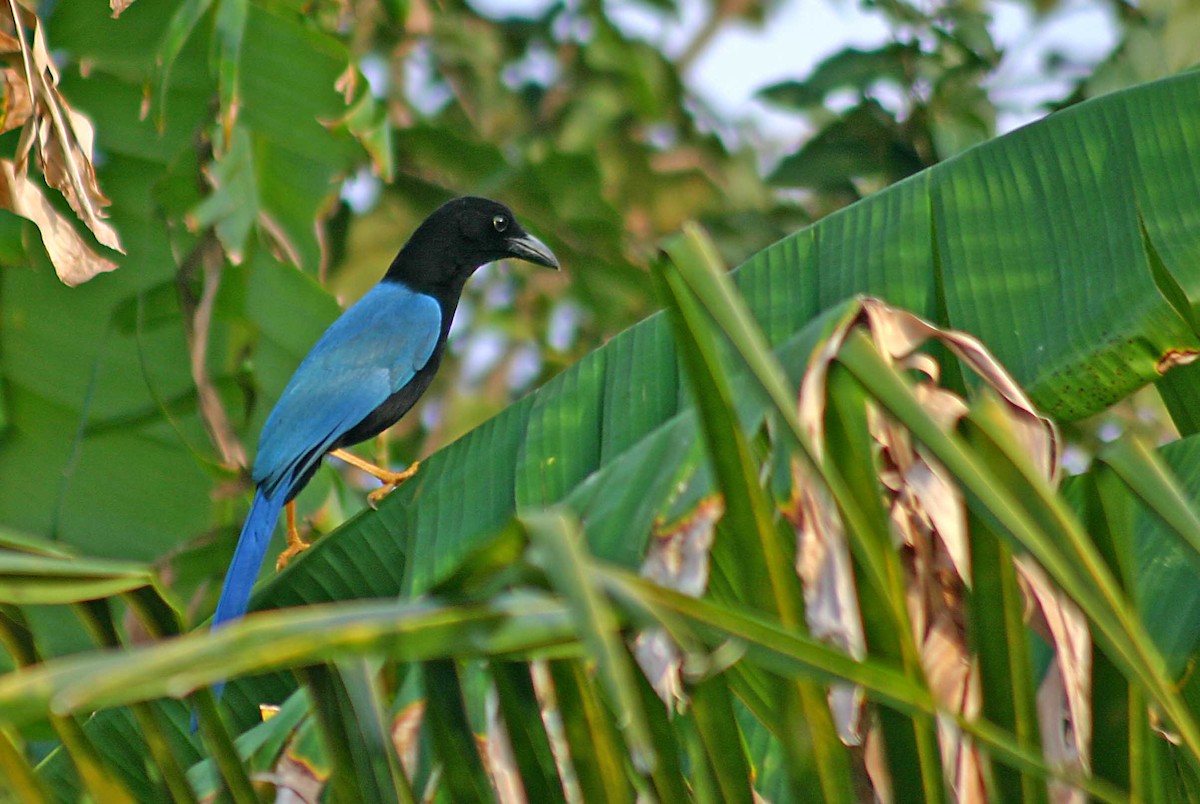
(1176, 357)
(118, 6)
(347, 83)
(677, 559)
(899, 334)
(406, 735)
(1064, 698)
(498, 759)
(295, 780)
(16, 106)
(73, 260)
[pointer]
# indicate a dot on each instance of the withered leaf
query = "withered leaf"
(678, 559)
(66, 141)
(15, 105)
(927, 515)
(73, 261)
(118, 6)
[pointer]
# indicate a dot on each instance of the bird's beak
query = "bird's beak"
(528, 247)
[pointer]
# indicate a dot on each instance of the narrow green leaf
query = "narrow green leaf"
(275, 640)
(724, 749)
(1179, 389)
(597, 753)
(16, 776)
(1152, 480)
(454, 741)
(28, 579)
(178, 31)
(356, 736)
(98, 780)
(221, 747)
(97, 616)
(558, 544)
(1000, 639)
(668, 776)
(750, 548)
(785, 652)
(526, 731)
(259, 746)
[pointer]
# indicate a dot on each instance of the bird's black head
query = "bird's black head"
(458, 237)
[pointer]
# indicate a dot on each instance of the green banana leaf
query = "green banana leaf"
(1064, 246)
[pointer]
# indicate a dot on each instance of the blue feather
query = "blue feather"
(364, 357)
(370, 366)
(243, 569)
(369, 353)
(247, 558)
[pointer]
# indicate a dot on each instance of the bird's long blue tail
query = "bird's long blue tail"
(243, 569)
(248, 557)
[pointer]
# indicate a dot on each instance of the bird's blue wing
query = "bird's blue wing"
(365, 356)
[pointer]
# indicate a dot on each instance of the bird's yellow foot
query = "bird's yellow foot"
(295, 543)
(390, 482)
(389, 478)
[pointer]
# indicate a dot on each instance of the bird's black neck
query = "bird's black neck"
(426, 263)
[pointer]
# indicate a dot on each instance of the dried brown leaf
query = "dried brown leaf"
(497, 753)
(830, 596)
(118, 6)
(16, 106)
(677, 559)
(73, 260)
(406, 735)
(1057, 617)
(64, 140)
(953, 676)
(295, 781)
(927, 515)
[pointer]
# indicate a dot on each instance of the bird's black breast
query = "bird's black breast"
(395, 405)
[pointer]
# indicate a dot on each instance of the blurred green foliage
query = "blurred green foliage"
(266, 158)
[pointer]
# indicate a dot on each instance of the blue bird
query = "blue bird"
(368, 369)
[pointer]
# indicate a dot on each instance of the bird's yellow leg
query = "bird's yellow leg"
(389, 478)
(295, 544)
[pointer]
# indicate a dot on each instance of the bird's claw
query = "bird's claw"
(391, 480)
(293, 549)
(295, 542)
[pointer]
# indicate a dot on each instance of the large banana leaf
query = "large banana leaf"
(1064, 246)
(1050, 244)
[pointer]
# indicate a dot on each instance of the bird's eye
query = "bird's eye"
(500, 223)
